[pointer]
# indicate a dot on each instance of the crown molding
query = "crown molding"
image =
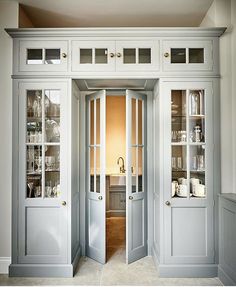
(117, 32)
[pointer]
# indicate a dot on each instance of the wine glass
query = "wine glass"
(30, 186)
(38, 161)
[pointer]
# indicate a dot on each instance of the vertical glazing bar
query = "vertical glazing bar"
(43, 143)
(136, 145)
(188, 147)
(95, 150)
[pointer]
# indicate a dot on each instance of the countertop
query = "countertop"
(229, 196)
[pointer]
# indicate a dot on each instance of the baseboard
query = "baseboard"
(41, 270)
(4, 264)
(225, 278)
(76, 259)
(188, 271)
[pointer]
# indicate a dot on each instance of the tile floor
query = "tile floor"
(115, 271)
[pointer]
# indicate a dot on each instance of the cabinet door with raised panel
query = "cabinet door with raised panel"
(137, 55)
(43, 173)
(188, 180)
(43, 56)
(93, 56)
(187, 55)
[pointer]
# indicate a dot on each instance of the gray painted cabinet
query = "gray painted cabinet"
(179, 151)
(227, 232)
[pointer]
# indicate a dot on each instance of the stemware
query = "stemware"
(30, 186)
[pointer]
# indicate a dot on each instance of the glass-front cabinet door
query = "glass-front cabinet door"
(42, 172)
(188, 183)
(43, 56)
(192, 55)
(137, 55)
(93, 56)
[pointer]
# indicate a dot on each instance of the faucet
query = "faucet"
(122, 168)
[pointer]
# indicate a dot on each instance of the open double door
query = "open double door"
(136, 191)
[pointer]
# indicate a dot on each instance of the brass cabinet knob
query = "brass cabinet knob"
(100, 197)
(112, 55)
(118, 55)
(63, 203)
(166, 55)
(167, 203)
(64, 55)
(131, 197)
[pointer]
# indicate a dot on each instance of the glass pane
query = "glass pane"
(34, 56)
(196, 55)
(100, 56)
(91, 155)
(140, 169)
(86, 56)
(197, 171)
(52, 115)
(178, 116)
(129, 56)
(34, 116)
(133, 127)
(144, 55)
(179, 171)
(91, 122)
(196, 102)
(52, 171)
(34, 171)
(98, 121)
(134, 168)
(140, 122)
(178, 55)
(52, 56)
(98, 169)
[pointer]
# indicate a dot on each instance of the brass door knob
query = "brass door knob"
(112, 55)
(64, 55)
(100, 197)
(167, 203)
(131, 197)
(118, 55)
(166, 55)
(63, 203)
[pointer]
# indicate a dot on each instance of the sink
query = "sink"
(120, 179)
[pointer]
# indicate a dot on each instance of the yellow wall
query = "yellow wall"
(115, 132)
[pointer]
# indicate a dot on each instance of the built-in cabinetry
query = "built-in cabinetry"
(227, 232)
(50, 180)
(188, 166)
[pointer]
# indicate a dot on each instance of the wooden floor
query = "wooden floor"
(115, 236)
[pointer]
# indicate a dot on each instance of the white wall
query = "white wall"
(8, 19)
(223, 13)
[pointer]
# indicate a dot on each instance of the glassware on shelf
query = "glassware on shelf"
(38, 161)
(197, 134)
(196, 105)
(179, 163)
(30, 186)
(38, 191)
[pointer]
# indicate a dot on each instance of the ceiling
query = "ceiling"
(115, 13)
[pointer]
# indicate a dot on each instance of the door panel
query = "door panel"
(136, 191)
(43, 207)
(96, 180)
